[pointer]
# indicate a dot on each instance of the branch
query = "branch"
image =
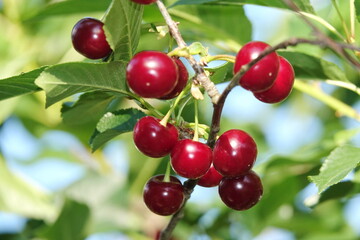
(200, 75)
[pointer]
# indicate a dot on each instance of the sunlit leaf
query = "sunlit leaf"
(21, 84)
(122, 28)
(63, 80)
(337, 166)
(113, 124)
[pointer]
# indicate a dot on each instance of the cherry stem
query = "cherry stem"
(223, 57)
(166, 118)
(167, 173)
(196, 134)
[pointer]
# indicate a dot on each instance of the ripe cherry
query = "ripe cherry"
(152, 138)
(241, 192)
(144, 1)
(191, 159)
(282, 86)
(89, 39)
(163, 198)
(152, 74)
(234, 153)
(183, 78)
(262, 75)
(212, 178)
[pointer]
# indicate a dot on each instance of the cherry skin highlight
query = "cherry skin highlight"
(241, 192)
(260, 76)
(183, 78)
(211, 178)
(282, 86)
(163, 198)
(191, 159)
(153, 139)
(88, 38)
(234, 153)
(144, 1)
(152, 74)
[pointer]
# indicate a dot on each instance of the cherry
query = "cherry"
(282, 86)
(212, 178)
(262, 75)
(152, 138)
(144, 1)
(88, 38)
(241, 192)
(152, 74)
(183, 78)
(163, 198)
(191, 159)
(234, 153)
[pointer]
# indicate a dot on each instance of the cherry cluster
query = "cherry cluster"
(153, 74)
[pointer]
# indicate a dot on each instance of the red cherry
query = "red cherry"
(241, 192)
(282, 86)
(212, 178)
(191, 159)
(234, 153)
(262, 75)
(153, 139)
(183, 78)
(163, 198)
(89, 39)
(144, 1)
(152, 74)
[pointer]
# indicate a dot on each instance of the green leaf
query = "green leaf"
(113, 124)
(336, 166)
(122, 28)
(304, 5)
(21, 84)
(18, 196)
(307, 66)
(71, 223)
(221, 73)
(63, 80)
(357, 9)
(89, 107)
(71, 7)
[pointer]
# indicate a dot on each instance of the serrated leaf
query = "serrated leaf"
(19, 196)
(71, 223)
(113, 124)
(122, 27)
(307, 66)
(89, 107)
(304, 5)
(221, 73)
(71, 7)
(63, 80)
(336, 166)
(21, 84)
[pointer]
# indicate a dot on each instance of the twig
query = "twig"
(200, 76)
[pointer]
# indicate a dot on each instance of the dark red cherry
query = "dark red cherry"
(241, 192)
(211, 178)
(163, 198)
(152, 74)
(282, 86)
(89, 39)
(153, 139)
(191, 159)
(183, 78)
(144, 1)
(234, 153)
(262, 75)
